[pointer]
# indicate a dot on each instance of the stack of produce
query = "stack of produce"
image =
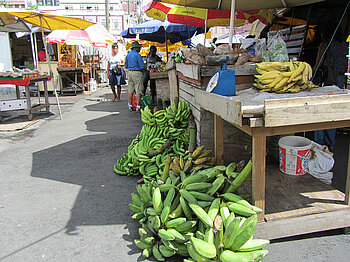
(164, 132)
(194, 211)
(283, 77)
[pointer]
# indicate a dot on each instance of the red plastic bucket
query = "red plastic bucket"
(294, 154)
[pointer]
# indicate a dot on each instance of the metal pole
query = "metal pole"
(107, 14)
(232, 20)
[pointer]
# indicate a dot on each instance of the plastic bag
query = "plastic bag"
(321, 163)
(222, 49)
(261, 50)
(277, 47)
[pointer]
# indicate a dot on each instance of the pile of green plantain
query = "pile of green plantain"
(194, 211)
(164, 132)
(187, 205)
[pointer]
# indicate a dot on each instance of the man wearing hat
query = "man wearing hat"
(136, 67)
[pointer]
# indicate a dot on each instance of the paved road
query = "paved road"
(61, 201)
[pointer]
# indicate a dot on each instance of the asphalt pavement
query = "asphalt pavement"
(61, 201)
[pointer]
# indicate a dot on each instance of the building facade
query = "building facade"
(122, 13)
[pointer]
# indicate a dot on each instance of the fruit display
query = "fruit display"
(164, 132)
(194, 211)
(283, 77)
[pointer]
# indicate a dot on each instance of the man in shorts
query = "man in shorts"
(136, 67)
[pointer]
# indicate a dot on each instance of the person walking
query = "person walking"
(152, 59)
(116, 72)
(136, 67)
(333, 62)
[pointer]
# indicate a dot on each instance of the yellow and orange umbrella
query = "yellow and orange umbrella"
(161, 47)
(200, 17)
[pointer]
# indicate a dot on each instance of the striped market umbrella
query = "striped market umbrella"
(201, 17)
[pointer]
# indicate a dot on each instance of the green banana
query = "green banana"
(195, 255)
(237, 199)
(240, 209)
(203, 248)
(229, 256)
(214, 208)
(201, 196)
(185, 208)
(245, 232)
(165, 235)
(141, 245)
(157, 254)
(170, 196)
(188, 196)
(157, 200)
(254, 244)
(166, 252)
(165, 214)
(202, 215)
(230, 233)
(134, 208)
(241, 177)
(209, 236)
(194, 179)
(177, 235)
(147, 252)
(175, 222)
(216, 184)
(177, 212)
(136, 199)
(144, 196)
(198, 186)
(186, 226)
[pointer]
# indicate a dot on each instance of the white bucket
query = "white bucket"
(295, 152)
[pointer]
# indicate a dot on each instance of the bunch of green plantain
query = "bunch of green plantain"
(283, 77)
(164, 132)
(196, 212)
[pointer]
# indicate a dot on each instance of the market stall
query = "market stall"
(290, 203)
(24, 106)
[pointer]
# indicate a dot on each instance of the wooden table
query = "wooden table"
(64, 71)
(30, 108)
(291, 205)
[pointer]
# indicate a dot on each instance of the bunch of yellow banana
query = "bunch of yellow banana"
(190, 213)
(283, 77)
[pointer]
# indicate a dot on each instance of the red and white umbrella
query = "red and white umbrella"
(95, 35)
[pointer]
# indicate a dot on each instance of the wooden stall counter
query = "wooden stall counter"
(291, 205)
(64, 73)
(26, 108)
(162, 84)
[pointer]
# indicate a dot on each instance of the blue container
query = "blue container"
(222, 83)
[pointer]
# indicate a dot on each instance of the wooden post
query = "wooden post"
(347, 189)
(173, 86)
(258, 172)
(219, 139)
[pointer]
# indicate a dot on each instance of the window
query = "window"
(89, 8)
(16, 6)
(96, 7)
(81, 7)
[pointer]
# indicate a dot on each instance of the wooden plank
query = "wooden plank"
(229, 108)
(303, 224)
(191, 71)
(294, 29)
(302, 110)
(239, 70)
(294, 50)
(256, 122)
(258, 173)
(219, 139)
(173, 86)
(293, 36)
(158, 75)
(294, 43)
